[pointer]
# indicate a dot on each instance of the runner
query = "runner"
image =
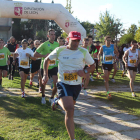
(139, 63)
(93, 51)
(114, 66)
(61, 41)
(4, 53)
(42, 52)
(85, 80)
(96, 60)
(24, 54)
(133, 59)
(72, 60)
(108, 55)
(12, 46)
(35, 66)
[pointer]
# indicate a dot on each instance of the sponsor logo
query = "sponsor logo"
(67, 24)
(18, 10)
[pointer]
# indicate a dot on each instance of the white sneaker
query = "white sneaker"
(113, 80)
(43, 101)
(40, 90)
(51, 101)
(85, 92)
(133, 94)
(91, 79)
(23, 95)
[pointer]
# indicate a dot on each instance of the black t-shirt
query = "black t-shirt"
(12, 47)
(35, 62)
(93, 48)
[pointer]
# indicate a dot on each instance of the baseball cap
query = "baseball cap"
(74, 35)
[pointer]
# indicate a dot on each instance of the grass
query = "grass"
(119, 80)
(6, 83)
(26, 118)
(122, 101)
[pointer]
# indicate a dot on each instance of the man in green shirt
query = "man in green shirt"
(42, 52)
(4, 52)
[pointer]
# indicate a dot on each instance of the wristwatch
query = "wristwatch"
(85, 71)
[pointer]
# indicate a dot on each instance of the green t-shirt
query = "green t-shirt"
(46, 48)
(4, 56)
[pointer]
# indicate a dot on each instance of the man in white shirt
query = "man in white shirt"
(24, 54)
(72, 59)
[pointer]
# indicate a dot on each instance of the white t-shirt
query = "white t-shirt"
(23, 59)
(70, 62)
(125, 49)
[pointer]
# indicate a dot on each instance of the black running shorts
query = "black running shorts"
(68, 90)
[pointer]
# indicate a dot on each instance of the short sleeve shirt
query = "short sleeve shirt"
(47, 48)
(70, 62)
(23, 59)
(4, 56)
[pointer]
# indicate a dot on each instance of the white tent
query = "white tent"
(48, 11)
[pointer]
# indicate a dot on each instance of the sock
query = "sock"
(39, 87)
(0, 81)
(31, 80)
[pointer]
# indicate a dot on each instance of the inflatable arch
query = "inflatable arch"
(48, 11)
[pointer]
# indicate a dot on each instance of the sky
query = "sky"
(89, 10)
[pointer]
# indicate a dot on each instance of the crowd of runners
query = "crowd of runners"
(69, 65)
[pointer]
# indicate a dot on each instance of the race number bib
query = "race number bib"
(12, 54)
(70, 76)
(23, 63)
(2, 56)
(132, 61)
(108, 58)
(52, 63)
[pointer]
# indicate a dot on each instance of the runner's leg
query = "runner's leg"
(67, 105)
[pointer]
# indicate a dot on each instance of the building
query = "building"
(5, 28)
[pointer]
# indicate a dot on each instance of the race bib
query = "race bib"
(23, 63)
(132, 61)
(52, 63)
(108, 58)
(70, 76)
(12, 54)
(2, 56)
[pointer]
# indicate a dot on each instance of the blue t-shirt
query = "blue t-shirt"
(108, 53)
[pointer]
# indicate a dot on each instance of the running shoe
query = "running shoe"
(51, 100)
(109, 96)
(31, 84)
(133, 94)
(40, 90)
(54, 105)
(43, 101)
(91, 78)
(113, 80)
(23, 94)
(85, 92)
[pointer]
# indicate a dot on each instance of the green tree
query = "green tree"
(68, 6)
(125, 39)
(64, 35)
(16, 28)
(88, 27)
(132, 30)
(137, 35)
(41, 35)
(108, 25)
